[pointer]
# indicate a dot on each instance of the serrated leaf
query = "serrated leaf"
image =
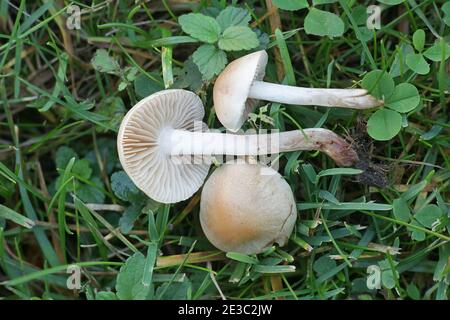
(238, 38)
(123, 187)
(419, 39)
(201, 27)
(323, 23)
(436, 52)
(232, 16)
(417, 63)
(103, 62)
(209, 60)
(384, 124)
(379, 83)
(291, 5)
(129, 284)
(428, 215)
(404, 99)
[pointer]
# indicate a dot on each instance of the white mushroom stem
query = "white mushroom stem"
(346, 98)
(182, 142)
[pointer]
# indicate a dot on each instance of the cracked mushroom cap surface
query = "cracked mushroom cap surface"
(246, 208)
(143, 151)
(230, 93)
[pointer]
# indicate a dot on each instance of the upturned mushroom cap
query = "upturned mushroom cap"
(246, 210)
(141, 149)
(232, 87)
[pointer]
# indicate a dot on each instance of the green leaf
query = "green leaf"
(417, 63)
(419, 39)
(237, 38)
(404, 99)
(63, 156)
(389, 274)
(129, 216)
(384, 124)
(418, 235)
(401, 210)
(391, 2)
(399, 66)
(201, 27)
(379, 83)
(82, 168)
(7, 213)
(446, 9)
(359, 14)
(129, 284)
(323, 264)
(89, 193)
(413, 291)
(123, 187)
(242, 258)
(291, 5)
(319, 2)
(323, 23)
(338, 171)
(436, 52)
(103, 62)
(105, 295)
(428, 215)
(189, 76)
(143, 86)
(232, 16)
(368, 206)
(273, 269)
(209, 60)
(113, 109)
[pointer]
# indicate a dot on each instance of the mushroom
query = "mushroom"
(247, 208)
(240, 83)
(165, 158)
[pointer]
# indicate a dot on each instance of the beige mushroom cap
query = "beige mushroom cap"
(141, 150)
(246, 208)
(231, 89)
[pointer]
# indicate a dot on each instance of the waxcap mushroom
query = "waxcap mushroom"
(246, 208)
(143, 156)
(240, 83)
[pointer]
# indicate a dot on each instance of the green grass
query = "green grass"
(64, 199)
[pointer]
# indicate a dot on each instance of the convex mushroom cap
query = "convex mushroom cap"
(240, 83)
(247, 208)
